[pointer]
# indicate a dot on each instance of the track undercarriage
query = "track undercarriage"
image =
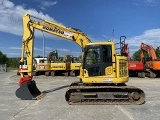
(78, 93)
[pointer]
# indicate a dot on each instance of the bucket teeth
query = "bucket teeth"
(42, 95)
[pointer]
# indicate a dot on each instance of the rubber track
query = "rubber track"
(128, 101)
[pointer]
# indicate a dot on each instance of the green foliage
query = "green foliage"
(158, 52)
(3, 58)
(136, 55)
(13, 62)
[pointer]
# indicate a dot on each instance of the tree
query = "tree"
(13, 62)
(136, 55)
(158, 52)
(3, 58)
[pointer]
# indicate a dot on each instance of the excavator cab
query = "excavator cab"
(97, 58)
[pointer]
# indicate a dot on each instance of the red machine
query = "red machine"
(136, 68)
(151, 63)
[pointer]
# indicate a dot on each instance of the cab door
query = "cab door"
(97, 58)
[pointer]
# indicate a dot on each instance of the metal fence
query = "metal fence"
(3, 67)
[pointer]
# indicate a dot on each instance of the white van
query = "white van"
(40, 60)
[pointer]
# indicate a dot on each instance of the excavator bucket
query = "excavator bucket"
(28, 91)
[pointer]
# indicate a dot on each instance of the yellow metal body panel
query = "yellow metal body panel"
(117, 73)
(43, 67)
(58, 66)
(105, 79)
(27, 46)
(75, 66)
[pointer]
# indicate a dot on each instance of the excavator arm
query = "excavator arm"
(152, 65)
(125, 51)
(149, 49)
(71, 34)
(30, 23)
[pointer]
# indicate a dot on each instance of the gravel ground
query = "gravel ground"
(54, 107)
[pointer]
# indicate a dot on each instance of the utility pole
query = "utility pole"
(43, 45)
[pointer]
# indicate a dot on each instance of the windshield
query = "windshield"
(98, 54)
(107, 54)
(97, 58)
(93, 55)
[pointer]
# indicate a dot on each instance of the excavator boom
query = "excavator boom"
(30, 23)
(71, 34)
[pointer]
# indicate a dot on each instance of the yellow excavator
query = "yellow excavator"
(43, 67)
(52, 66)
(61, 67)
(75, 66)
(103, 72)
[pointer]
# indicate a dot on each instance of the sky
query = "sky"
(138, 20)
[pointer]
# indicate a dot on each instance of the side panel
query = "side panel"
(42, 66)
(58, 66)
(122, 68)
(135, 65)
(75, 66)
(156, 65)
